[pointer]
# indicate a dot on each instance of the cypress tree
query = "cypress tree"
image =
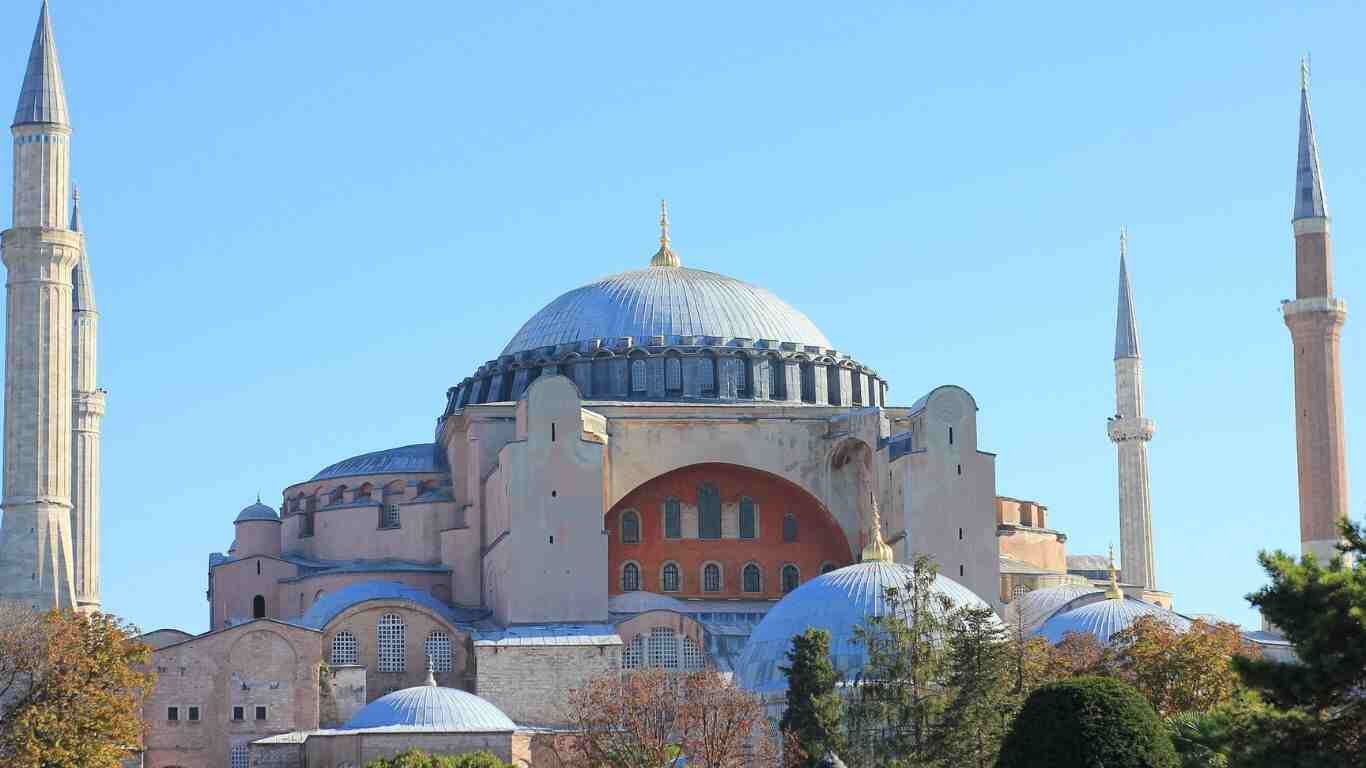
(813, 717)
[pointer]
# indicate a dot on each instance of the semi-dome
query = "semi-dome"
(257, 511)
(1103, 618)
(672, 302)
(430, 709)
(838, 602)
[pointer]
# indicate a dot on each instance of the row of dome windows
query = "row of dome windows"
(751, 577)
(708, 519)
(306, 507)
(391, 647)
(663, 649)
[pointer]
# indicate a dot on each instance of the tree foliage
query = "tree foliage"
(981, 680)
(1087, 721)
(71, 685)
(812, 723)
(1179, 671)
(415, 758)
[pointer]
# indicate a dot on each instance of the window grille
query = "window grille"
(708, 512)
(670, 577)
(634, 655)
(630, 578)
(777, 380)
(706, 371)
(673, 374)
(389, 516)
(789, 527)
(748, 525)
(438, 648)
(693, 659)
(390, 643)
(630, 527)
(663, 648)
(791, 577)
(673, 519)
(741, 380)
(711, 578)
(752, 581)
(238, 756)
(345, 649)
(638, 375)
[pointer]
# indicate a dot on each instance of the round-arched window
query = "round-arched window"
(630, 578)
(791, 578)
(670, 577)
(711, 578)
(630, 527)
(753, 582)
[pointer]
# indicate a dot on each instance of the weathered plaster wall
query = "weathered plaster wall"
(531, 684)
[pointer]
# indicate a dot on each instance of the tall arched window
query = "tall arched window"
(711, 578)
(777, 381)
(638, 378)
(633, 657)
(673, 519)
(630, 527)
(693, 659)
(258, 607)
(673, 374)
(708, 512)
(808, 382)
(389, 636)
(669, 577)
(364, 491)
(791, 578)
(752, 578)
(706, 375)
(345, 649)
(749, 527)
(438, 649)
(630, 578)
(832, 385)
(789, 527)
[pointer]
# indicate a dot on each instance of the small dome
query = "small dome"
(429, 708)
(838, 602)
(1036, 606)
(257, 511)
(1103, 618)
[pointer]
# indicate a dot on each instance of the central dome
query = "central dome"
(672, 302)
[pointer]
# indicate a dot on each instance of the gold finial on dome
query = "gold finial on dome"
(664, 257)
(876, 550)
(431, 672)
(1113, 591)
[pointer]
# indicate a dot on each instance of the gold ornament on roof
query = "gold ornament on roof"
(664, 257)
(876, 551)
(1113, 591)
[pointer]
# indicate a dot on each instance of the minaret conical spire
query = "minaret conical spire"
(1126, 326)
(664, 257)
(76, 209)
(42, 99)
(1309, 199)
(82, 289)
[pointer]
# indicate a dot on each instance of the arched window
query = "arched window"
(258, 607)
(669, 577)
(363, 492)
(239, 756)
(638, 383)
(673, 374)
(808, 382)
(345, 649)
(827, 567)
(338, 495)
(663, 648)
(438, 649)
(706, 375)
(673, 519)
(749, 527)
(318, 595)
(389, 636)
(743, 377)
(693, 660)
(752, 580)
(789, 527)
(630, 578)
(708, 512)
(633, 657)
(777, 381)
(711, 578)
(791, 578)
(832, 385)
(630, 527)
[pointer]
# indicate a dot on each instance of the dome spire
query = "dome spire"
(1113, 592)
(431, 673)
(664, 257)
(876, 550)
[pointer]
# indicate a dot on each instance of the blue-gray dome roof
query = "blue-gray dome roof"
(1033, 608)
(429, 708)
(257, 511)
(423, 457)
(332, 604)
(1104, 618)
(837, 602)
(666, 301)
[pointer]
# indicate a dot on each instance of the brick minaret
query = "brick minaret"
(1315, 320)
(1130, 431)
(40, 251)
(87, 404)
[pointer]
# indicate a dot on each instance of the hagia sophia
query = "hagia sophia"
(666, 467)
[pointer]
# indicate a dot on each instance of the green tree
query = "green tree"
(982, 695)
(415, 758)
(1246, 733)
(812, 722)
(1087, 721)
(1321, 609)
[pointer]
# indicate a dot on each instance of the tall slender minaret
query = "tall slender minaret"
(39, 253)
(1130, 431)
(87, 410)
(1315, 320)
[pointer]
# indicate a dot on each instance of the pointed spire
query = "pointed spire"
(82, 288)
(876, 550)
(1126, 327)
(76, 208)
(42, 99)
(1309, 199)
(664, 257)
(431, 672)
(1113, 591)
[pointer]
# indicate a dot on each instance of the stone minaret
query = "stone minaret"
(1130, 431)
(1315, 320)
(87, 404)
(40, 251)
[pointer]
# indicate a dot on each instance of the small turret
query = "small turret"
(258, 531)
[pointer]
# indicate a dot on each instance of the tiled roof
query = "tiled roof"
(422, 457)
(548, 634)
(430, 709)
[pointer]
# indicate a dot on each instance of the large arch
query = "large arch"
(690, 493)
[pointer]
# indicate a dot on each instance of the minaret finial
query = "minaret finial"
(664, 257)
(76, 208)
(1113, 591)
(876, 550)
(1310, 202)
(431, 672)
(1304, 72)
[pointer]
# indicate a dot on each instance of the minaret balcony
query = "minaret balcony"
(1123, 430)
(1317, 304)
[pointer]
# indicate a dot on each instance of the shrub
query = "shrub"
(414, 758)
(1087, 722)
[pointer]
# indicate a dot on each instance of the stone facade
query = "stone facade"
(531, 682)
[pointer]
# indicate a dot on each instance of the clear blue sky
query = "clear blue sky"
(308, 219)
